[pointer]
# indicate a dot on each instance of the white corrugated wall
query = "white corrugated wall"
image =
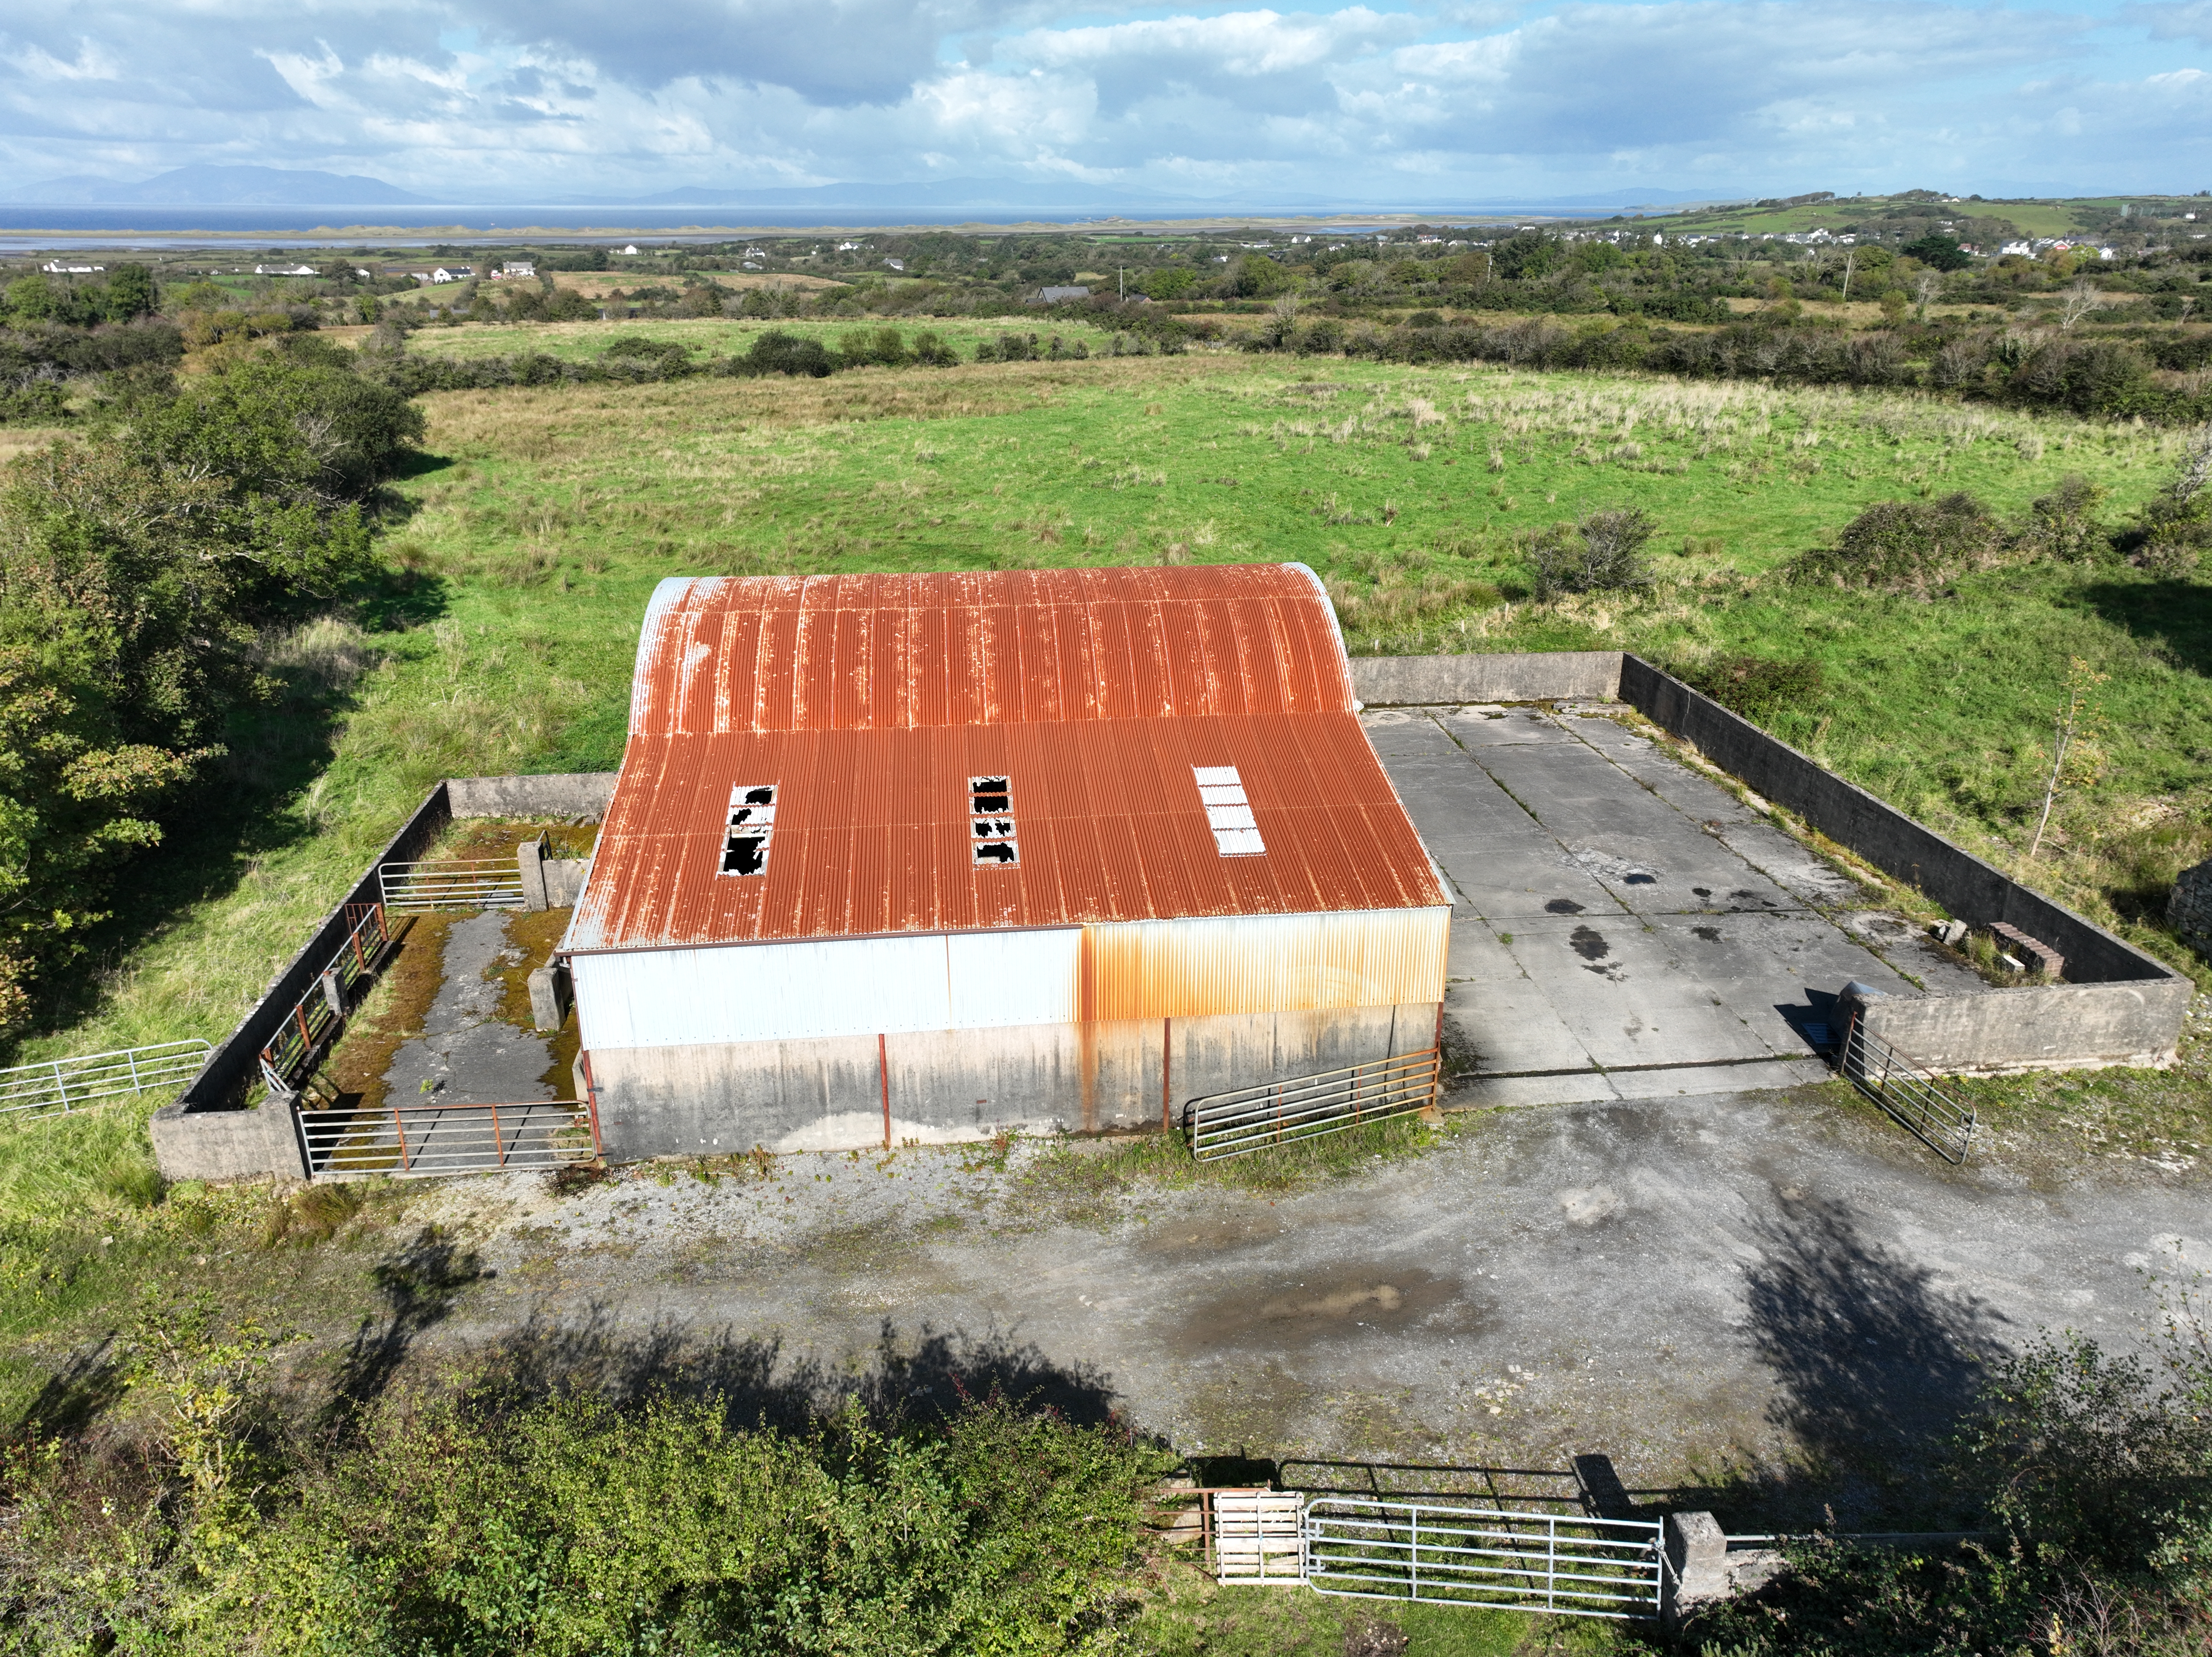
(999, 980)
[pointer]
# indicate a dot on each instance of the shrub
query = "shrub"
(1603, 552)
(1754, 686)
(490, 1523)
(778, 353)
(1900, 546)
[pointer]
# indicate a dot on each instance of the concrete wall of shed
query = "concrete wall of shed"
(227, 1145)
(1436, 681)
(568, 794)
(2039, 1026)
(827, 1093)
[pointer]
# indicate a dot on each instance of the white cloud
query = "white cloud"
(1468, 97)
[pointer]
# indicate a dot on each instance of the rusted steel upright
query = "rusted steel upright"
(592, 1104)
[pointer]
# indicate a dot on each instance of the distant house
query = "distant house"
(895, 265)
(1060, 295)
(452, 273)
(286, 270)
(516, 268)
(56, 268)
(2023, 250)
(631, 249)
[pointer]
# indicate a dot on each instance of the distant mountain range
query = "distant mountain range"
(220, 186)
(212, 185)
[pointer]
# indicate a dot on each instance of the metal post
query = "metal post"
(883, 1075)
(1167, 1123)
(499, 1145)
(61, 1086)
(399, 1126)
(360, 960)
(1415, 1554)
(1551, 1564)
(131, 1054)
(592, 1104)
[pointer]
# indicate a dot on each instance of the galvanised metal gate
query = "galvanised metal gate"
(418, 1141)
(1906, 1092)
(1454, 1556)
(60, 1085)
(453, 883)
(1306, 1107)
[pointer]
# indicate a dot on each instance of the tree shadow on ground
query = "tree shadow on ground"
(1875, 1366)
(930, 1374)
(214, 831)
(76, 1395)
(419, 1286)
(2172, 613)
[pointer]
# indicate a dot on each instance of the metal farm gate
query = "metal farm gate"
(1305, 1106)
(420, 1141)
(60, 1085)
(453, 883)
(1437, 1553)
(1907, 1092)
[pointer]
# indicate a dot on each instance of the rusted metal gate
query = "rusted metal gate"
(1305, 1106)
(1944, 1124)
(452, 883)
(418, 1141)
(62, 1085)
(316, 1019)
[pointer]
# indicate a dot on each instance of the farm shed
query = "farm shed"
(930, 857)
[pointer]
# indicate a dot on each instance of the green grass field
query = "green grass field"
(583, 342)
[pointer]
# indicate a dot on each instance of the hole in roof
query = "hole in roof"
(998, 851)
(1228, 813)
(752, 826)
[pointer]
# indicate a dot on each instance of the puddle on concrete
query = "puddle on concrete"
(1589, 943)
(1280, 1313)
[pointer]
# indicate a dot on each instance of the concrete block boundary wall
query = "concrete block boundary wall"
(206, 1134)
(2121, 1005)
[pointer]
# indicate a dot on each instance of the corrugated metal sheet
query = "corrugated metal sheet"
(1003, 980)
(1264, 963)
(870, 701)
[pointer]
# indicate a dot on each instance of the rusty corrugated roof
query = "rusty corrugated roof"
(869, 702)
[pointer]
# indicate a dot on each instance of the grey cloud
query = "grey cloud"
(1592, 77)
(836, 52)
(2178, 20)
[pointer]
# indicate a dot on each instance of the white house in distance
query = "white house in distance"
(931, 857)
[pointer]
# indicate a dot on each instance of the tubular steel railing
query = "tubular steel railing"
(1306, 1107)
(432, 1141)
(462, 883)
(61, 1085)
(315, 1017)
(1532, 1562)
(1906, 1092)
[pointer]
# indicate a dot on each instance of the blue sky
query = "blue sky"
(1457, 100)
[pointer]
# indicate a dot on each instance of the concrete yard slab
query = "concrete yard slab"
(1657, 923)
(1509, 1026)
(467, 1054)
(1630, 997)
(1499, 728)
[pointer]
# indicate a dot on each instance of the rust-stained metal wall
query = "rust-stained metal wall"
(1193, 967)
(829, 1093)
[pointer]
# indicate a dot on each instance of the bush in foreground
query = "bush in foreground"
(573, 1524)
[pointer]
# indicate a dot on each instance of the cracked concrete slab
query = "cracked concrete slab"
(467, 1054)
(1723, 937)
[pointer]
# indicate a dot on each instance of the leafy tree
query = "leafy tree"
(131, 293)
(134, 568)
(1938, 251)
